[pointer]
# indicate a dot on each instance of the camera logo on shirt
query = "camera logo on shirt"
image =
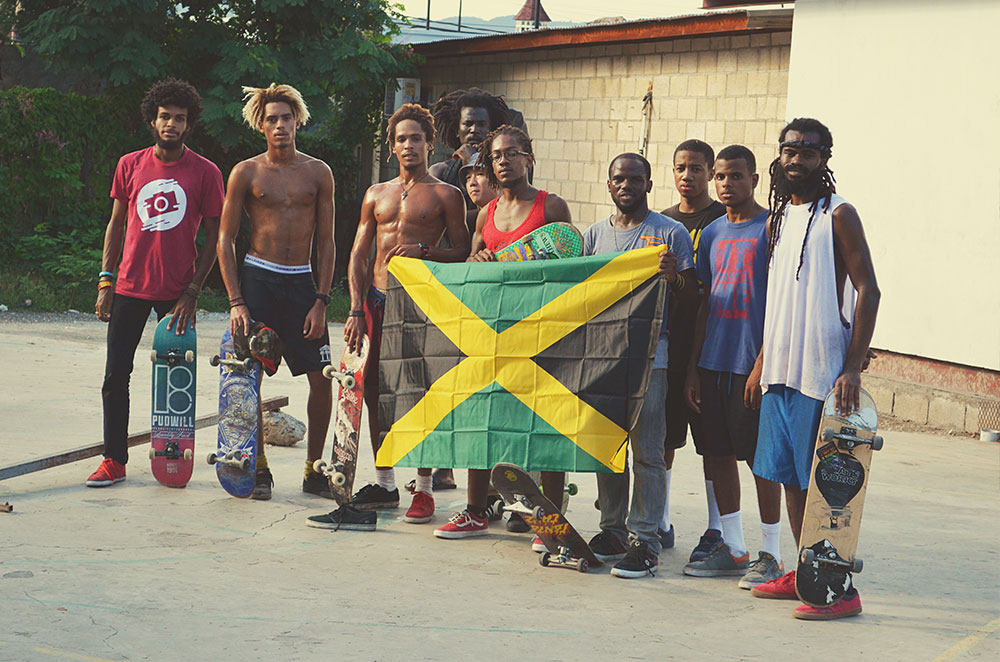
(161, 205)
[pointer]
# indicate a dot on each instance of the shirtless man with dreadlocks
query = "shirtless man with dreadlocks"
(815, 242)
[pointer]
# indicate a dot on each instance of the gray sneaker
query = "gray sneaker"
(762, 569)
(718, 564)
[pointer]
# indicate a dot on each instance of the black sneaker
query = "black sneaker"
(262, 484)
(494, 509)
(607, 547)
(638, 562)
(344, 518)
(317, 483)
(516, 524)
(373, 497)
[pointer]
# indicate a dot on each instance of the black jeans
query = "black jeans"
(128, 319)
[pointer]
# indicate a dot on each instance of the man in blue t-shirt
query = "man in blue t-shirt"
(634, 225)
(729, 331)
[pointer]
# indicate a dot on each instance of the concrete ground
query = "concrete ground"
(143, 572)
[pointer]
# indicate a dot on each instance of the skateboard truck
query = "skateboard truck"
(172, 357)
(848, 438)
(563, 559)
(346, 379)
(232, 459)
(830, 557)
(335, 472)
(171, 452)
(242, 364)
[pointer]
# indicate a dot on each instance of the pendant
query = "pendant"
(405, 192)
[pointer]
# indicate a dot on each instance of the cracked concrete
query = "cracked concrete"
(142, 572)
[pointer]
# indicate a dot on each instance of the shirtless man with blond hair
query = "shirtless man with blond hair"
(288, 197)
(406, 216)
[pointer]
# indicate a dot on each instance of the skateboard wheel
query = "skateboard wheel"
(189, 356)
(319, 465)
(214, 361)
(349, 382)
(152, 453)
(244, 464)
(827, 434)
(597, 504)
(188, 454)
(876, 445)
(339, 479)
(543, 560)
(857, 565)
(212, 458)
(329, 372)
(152, 355)
(572, 489)
(537, 512)
(808, 556)
(582, 565)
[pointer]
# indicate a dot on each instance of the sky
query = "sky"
(558, 10)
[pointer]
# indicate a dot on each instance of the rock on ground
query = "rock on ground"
(281, 429)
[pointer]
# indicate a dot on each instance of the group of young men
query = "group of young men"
(768, 309)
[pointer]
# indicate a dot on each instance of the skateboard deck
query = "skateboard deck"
(347, 424)
(239, 396)
(171, 452)
(835, 502)
(551, 241)
(521, 495)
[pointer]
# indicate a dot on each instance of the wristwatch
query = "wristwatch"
(424, 249)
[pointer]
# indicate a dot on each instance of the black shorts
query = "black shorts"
(282, 302)
(679, 415)
(729, 427)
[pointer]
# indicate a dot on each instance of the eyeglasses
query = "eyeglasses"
(509, 154)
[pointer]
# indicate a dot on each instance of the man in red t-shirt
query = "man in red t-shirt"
(161, 195)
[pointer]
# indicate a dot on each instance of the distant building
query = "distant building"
(525, 19)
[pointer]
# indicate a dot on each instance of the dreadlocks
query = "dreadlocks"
(448, 111)
(820, 180)
(486, 149)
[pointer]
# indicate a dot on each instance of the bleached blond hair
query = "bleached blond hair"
(257, 99)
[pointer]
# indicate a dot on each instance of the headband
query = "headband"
(808, 144)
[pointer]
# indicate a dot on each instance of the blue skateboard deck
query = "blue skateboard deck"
(239, 409)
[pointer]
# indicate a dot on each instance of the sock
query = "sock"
(714, 521)
(478, 512)
(386, 478)
(424, 484)
(732, 533)
(665, 522)
(309, 469)
(261, 462)
(771, 539)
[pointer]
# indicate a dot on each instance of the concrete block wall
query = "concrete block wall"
(583, 105)
(925, 405)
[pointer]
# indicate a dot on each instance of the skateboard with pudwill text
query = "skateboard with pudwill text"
(566, 548)
(171, 451)
(347, 423)
(835, 502)
(551, 241)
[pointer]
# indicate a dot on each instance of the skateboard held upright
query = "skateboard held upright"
(551, 241)
(835, 502)
(566, 549)
(171, 452)
(347, 423)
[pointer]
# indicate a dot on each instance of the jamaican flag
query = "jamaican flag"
(543, 364)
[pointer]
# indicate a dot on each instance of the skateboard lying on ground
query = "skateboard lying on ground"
(835, 502)
(240, 368)
(551, 241)
(521, 495)
(174, 380)
(347, 423)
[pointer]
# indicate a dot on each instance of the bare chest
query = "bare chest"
(281, 188)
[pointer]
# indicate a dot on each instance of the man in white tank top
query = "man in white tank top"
(815, 336)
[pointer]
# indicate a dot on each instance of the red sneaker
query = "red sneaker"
(538, 546)
(109, 473)
(421, 510)
(782, 588)
(849, 605)
(463, 525)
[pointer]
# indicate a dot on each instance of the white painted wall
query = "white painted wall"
(911, 91)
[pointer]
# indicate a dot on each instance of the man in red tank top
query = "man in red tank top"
(521, 208)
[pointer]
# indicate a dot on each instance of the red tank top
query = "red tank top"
(496, 240)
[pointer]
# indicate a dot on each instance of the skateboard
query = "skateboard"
(566, 549)
(344, 458)
(835, 502)
(239, 397)
(174, 378)
(551, 241)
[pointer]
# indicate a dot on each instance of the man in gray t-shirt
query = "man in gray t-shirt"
(630, 534)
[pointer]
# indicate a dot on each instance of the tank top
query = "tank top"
(806, 331)
(496, 240)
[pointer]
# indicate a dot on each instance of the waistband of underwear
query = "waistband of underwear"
(260, 263)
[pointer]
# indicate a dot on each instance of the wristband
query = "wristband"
(356, 313)
(103, 284)
(105, 274)
(325, 298)
(193, 291)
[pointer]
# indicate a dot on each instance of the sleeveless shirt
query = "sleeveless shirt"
(496, 240)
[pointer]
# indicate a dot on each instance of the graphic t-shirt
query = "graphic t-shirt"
(734, 264)
(166, 202)
(655, 230)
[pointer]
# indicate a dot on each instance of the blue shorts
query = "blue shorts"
(789, 423)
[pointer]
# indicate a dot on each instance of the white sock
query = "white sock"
(424, 484)
(386, 478)
(665, 522)
(732, 533)
(771, 539)
(714, 521)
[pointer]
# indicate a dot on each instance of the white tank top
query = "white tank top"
(806, 333)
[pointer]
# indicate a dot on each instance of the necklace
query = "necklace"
(406, 191)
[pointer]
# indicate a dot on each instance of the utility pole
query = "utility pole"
(459, 15)
(428, 14)
(538, 4)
